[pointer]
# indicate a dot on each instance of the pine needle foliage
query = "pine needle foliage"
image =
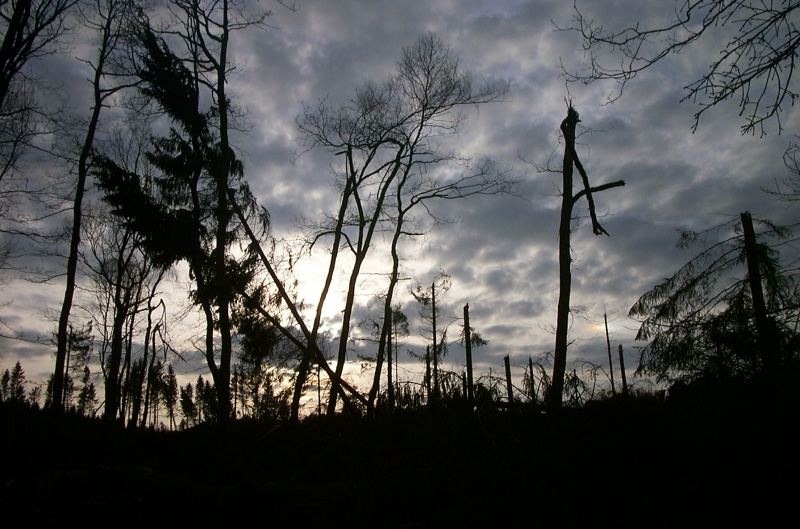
(699, 321)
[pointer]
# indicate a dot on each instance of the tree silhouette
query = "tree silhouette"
(188, 406)
(702, 321)
(87, 396)
(106, 20)
(754, 61)
(568, 201)
(30, 29)
(430, 315)
(387, 139)
(183, 212)
(16, 384)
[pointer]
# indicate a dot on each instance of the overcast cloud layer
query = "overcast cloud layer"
(501, 252)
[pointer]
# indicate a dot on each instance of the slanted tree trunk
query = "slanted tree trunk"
(384, 344)
(308, 352)
(366, 230)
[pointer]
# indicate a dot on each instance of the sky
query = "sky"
(500, 251)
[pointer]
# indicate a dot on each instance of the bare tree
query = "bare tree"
(426, 297)
(30, 29)
(106, 18)
(753, 63)
(124, 282)
(380, 135)
(187, 213)
(386, 136)
(208, 26)
(418, 189)
(568, 201)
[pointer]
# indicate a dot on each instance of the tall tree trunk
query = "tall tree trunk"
(532, 381)
(75, 237)
(435, 344)
(468, 348)
(389, 382)
(610, 362)
(112, 383)
(386, 326)
(428, 371)
(564, 264)
(223, 377)
(344, 335)
(764, 335)
(12, 49)
(509, 386)
(308, 353)
(622, 371)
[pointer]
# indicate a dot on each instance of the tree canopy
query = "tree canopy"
(700, 321)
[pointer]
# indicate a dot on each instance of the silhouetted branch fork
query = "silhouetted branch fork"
(321, 361)
(571, 161)
(597, 189)
(755, 62)
(587, 188)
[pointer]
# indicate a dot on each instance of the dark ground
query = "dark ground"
(712, 459)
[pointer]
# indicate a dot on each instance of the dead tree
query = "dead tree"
(765, 337)
(509, 386)
(387, 141)
(752, 64)
(622, 371)
(610, 362)
(568, 201)
(468, 348)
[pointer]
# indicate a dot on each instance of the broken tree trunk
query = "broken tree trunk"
(568, 200)
(622, 371)
(532, 380)
(389, 384)
(610, 362)
(468, 347)
(435, 344)
(764, 335)
(509, 387)
(428, 371)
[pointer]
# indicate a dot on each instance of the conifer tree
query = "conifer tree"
(87, 396)
(183, 213)
(16, 386)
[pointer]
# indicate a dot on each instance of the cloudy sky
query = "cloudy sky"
(500, 251)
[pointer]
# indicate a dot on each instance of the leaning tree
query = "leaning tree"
(386, 139)
(730, 311)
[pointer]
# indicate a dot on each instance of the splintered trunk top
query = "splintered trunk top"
(568, 200)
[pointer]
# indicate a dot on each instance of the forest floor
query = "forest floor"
(711, 460)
